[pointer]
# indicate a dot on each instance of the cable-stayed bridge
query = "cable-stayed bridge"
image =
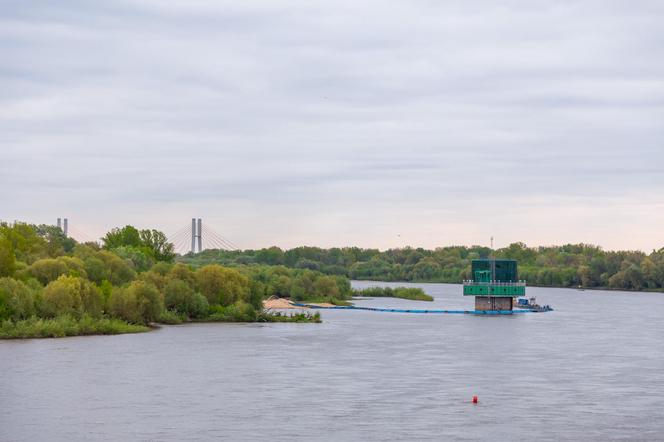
(192, 238)
(196, 237)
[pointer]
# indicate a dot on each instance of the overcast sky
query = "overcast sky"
(369, 123)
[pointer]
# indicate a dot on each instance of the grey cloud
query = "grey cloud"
(424, 115)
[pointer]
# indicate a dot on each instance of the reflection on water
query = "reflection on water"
(591, 370)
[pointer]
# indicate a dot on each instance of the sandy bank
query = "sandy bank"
(278, 303)
(283, 303)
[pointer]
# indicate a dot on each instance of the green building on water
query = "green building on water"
(495, 284)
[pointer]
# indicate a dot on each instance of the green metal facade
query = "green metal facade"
(489, 289)
(497, 278)
(506, 269)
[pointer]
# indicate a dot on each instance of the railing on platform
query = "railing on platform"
(494, 288)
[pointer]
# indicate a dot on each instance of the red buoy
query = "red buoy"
(474, 399)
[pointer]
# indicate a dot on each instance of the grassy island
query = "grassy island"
(411, 293)
(53, 286)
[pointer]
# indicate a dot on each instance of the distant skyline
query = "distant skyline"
(375, 124)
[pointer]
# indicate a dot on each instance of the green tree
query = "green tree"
(151, 242)
(426, 270)
(96, 269)
(157, 242)
(7, 257)
(26, 243)
(271, 256)
(47, 270)
(140, 303)
(127, 236)
(180, 297)
(326, 286)
(183, 272)
(120, 271)
(17, 300)
(141, 258)
(221, 285)
(71, 295)
(56, 242)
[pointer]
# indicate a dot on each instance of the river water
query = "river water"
(591, 370)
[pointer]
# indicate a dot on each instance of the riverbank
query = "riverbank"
(65, 326)
(581, 288)
(410, 293)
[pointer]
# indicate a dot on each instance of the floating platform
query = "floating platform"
(434, 311)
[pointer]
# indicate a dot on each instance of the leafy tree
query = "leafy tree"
(152, 243)
(56, 243)
(48, 269)
(326, 286)
(75, 266)
(305, 263)
(71, 295)
(140, 303)
(26, 243)
(180, 297)
(426, 269)
(221, 285)
(120, 271)
(17, 300)
(96, 269)
(141, 259)
(7, 257)
(271, 256)
(158, 244)
(184, 273)
(162, 268)
(127, 236)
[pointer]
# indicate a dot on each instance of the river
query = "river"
(591, 370)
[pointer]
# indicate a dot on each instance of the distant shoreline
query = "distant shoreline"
(608, 289)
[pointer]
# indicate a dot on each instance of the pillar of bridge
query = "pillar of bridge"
(193, 235)
(200, 235)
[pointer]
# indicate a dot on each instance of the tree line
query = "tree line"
(570, 265)
(132, 278)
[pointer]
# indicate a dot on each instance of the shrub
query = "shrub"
(412, 293)
(237, 312)
(326, 286)
(73, 296)
(221, 285)
(162, 268)
(96, 269)
(7, 257)
(151, 277)
(47, 270)
(178, 296)
(34, 327)
(17, 300)
(75, 266)
(139, 257)
(171, 318)
(139, 303)
(120, 271)
(184, 273)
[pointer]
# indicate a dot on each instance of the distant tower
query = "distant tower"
(196, 235)
(193, 235)
(62, 226)
(200, 235)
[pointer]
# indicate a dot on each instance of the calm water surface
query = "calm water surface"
(591, 370)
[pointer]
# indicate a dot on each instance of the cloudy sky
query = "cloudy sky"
(370, 123)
